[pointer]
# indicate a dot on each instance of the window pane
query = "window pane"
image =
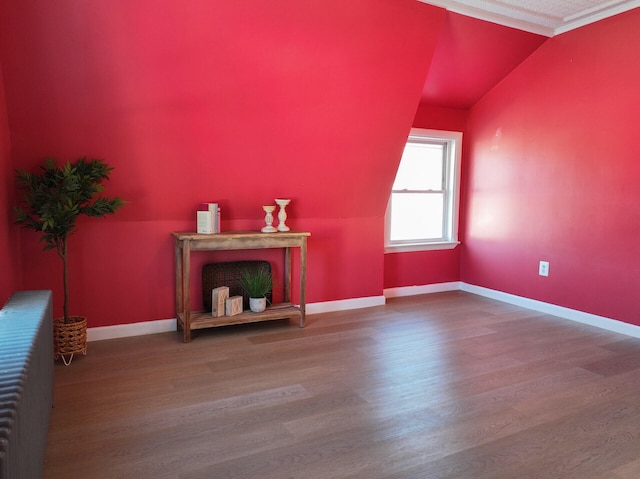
(416, 216)
(420, 167)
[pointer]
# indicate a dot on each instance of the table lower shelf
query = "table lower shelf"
(201, 319)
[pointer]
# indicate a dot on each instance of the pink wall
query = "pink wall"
(554, 175)
(428, 267)
(9, 246)
(236, 102)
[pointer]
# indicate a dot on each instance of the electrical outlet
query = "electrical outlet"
(543, 269)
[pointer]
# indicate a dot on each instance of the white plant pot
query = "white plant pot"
(257, 305)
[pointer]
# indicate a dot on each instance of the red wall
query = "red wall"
(554, 175)
(236, 102)
(428, 267)
(9, 246)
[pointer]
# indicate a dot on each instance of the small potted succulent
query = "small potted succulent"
(257, 283)
(53, 199)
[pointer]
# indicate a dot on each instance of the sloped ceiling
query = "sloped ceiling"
(471, 57)
(545, 17)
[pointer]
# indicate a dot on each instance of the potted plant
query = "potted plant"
(257, 283)
(53, 199)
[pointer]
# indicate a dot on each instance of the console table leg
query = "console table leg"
(186, 291)
(287, 275)
(178, 260)
(303, 281)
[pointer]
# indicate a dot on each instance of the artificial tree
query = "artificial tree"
(54, 198)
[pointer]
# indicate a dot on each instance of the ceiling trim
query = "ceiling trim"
(590, 17)
(533, 22)
(492, 17)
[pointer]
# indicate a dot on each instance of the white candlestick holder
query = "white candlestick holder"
(282, 214)
(268, 219)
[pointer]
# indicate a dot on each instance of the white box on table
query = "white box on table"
(208, 218)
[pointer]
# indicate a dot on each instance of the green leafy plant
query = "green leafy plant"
(257, 283)
(54, 198)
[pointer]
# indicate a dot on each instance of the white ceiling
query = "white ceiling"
(545, 17)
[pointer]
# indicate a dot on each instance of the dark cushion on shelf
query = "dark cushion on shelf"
(228, 274)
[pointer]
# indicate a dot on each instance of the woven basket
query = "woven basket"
(229, 274)
(70, 338)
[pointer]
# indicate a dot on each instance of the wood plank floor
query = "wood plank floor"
(448, 385)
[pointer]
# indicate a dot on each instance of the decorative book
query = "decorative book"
(218, 297)
(233, 305)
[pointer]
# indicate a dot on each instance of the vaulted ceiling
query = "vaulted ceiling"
(471, 57)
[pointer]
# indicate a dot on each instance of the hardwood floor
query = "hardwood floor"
(447, 385)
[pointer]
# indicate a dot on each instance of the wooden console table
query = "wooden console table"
(187, 242)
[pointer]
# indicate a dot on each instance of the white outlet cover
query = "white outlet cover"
(543, 269)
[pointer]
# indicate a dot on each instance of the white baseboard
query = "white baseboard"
(166, 325)
(424, 289)
(133, 329)
(344, 304)
(560, 311)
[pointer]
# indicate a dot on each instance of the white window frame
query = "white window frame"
(453, 139)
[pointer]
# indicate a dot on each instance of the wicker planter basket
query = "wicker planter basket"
(70, 338)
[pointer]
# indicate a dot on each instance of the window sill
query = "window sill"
(405, 248)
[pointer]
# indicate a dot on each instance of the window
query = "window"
(423, 207)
